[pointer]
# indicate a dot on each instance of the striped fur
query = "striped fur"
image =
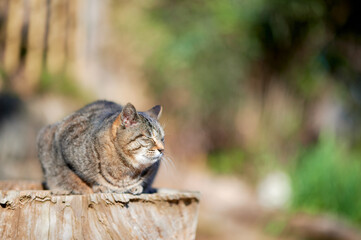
(102, 147)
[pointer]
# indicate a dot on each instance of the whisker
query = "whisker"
(165, 162)
(168, 162)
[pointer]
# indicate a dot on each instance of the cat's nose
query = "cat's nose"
(160, 147)
(161, 150)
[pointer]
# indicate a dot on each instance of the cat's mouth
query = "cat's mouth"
(157, 158)
(154, 155)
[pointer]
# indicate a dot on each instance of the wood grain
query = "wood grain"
(37, 214)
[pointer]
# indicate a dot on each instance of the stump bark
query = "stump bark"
(28, 212)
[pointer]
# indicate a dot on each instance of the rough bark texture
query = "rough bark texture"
(37, 214)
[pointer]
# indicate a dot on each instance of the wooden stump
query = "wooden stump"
(37, 214)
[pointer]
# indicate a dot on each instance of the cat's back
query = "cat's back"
(80, 124)
(91, 117)
(99, 107)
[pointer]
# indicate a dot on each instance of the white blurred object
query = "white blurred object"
(274, 190)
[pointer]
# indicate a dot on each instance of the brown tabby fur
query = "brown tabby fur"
(102, 147)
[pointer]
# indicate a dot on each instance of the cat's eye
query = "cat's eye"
(145, 141)
(162, 139)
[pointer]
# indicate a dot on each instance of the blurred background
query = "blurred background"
(262, 100)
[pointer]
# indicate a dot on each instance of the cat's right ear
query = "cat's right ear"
(128, 116)
(155, 112)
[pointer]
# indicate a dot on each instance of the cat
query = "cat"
(103, 147)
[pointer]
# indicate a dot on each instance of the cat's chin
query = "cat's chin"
(145, 162)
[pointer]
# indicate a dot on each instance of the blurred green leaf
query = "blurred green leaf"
(226, 161)
(326, 179)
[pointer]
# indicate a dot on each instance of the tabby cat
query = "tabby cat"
(102, 147)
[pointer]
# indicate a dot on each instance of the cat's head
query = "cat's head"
(140, 136)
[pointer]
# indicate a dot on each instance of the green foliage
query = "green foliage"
(276, 227)
(327, 179)
(207, 52)
(226, 161)
(214, 44)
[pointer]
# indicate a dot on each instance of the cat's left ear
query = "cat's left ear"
(129, 115)
(155, 112)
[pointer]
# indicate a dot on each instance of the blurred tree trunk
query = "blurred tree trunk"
(57, 37)
(13, 35)
(36, 41)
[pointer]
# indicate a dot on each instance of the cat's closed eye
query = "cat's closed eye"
(145, 141)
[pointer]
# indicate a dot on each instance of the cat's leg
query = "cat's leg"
(66, 182)
(58, 176)
(103, 189)
(136, 190)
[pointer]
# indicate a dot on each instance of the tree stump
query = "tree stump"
(28, 212)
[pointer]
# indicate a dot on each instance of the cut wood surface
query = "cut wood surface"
(37, 214)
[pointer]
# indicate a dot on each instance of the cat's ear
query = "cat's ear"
(129, 115)
(155, 112)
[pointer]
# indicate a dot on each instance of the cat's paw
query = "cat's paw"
(136, 190)
(60, 192)
(100, 189)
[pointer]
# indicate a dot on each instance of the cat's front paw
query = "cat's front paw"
(136, 190)
(100, 189)
(60, 192)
